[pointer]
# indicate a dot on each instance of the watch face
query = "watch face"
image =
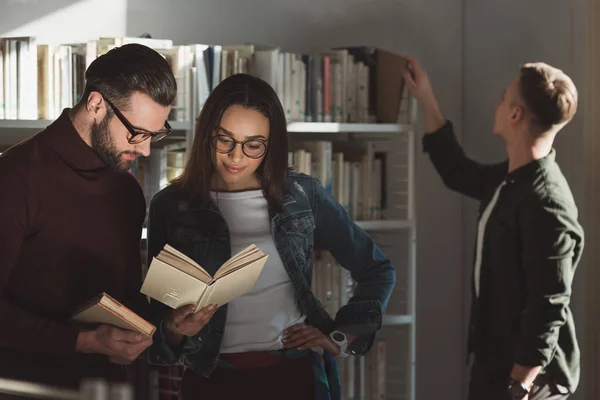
(338, 336)
(517, 391)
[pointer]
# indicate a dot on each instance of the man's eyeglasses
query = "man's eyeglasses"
(139, 135)
(251, 148)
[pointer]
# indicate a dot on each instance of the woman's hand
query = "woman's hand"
(304, 336)
(185, 322)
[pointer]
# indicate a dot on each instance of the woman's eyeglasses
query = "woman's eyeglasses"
(251, 148)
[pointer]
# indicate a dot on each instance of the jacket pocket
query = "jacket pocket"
(299, 230)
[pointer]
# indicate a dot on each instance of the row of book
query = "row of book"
(353, 172)
(354, 84)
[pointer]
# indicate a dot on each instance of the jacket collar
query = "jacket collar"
(531, 169)
(70, 146)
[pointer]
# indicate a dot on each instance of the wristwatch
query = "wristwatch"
(517, 390)
(340, 339)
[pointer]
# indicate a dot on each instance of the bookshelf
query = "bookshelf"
(393, 227)
(336, 127)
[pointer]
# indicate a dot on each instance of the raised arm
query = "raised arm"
(458, 172)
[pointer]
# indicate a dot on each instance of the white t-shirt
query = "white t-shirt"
(481, 234)
(256, 320)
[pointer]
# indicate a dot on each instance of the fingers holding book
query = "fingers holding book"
(184, 321)
(121, 346)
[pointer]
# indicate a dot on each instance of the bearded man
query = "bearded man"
(71, 216)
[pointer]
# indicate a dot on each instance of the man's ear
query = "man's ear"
(96, 106)
(517, 114)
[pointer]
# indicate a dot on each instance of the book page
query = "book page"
(125, 313)
(240, 254)
(171, 286)
(232, 285)
(239, 261)
(98, 314)
(183, 263)
(103, 309)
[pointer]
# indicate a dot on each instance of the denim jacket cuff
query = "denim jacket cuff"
(161, 353)
(363, 319)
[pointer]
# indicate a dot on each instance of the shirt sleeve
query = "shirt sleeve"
(459, 172)
(552, 242)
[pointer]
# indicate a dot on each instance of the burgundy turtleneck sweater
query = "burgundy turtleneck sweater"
(69, 229)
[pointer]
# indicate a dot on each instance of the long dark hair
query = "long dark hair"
(250, 92)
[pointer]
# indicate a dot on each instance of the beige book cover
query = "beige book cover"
(103, 309)
(176, 280)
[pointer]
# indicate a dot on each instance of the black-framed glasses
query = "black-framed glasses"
(139, 135)
(251, 148)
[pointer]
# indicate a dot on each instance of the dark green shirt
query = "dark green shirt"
(531, 247)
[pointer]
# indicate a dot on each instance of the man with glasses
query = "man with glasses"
(70, 223)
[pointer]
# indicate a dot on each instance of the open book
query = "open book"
(176, 280)
(103, 309)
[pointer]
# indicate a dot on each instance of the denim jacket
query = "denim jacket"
(311, 219)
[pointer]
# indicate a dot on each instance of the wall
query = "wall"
(63, 21)
(431, 31)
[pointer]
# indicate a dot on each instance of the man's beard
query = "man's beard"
(104, 146)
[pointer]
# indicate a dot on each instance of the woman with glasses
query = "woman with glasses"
(277, 341)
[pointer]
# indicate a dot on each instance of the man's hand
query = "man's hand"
(305, 336)
(419, 86)
(121, 346)
(184, 322)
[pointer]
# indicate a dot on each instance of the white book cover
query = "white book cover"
(347, 196)
(11, 86)
(265, 66)
(1, 83)
(321, 151)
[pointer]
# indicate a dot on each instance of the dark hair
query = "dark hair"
(128, 69)
(549, 94)
(250, 92)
